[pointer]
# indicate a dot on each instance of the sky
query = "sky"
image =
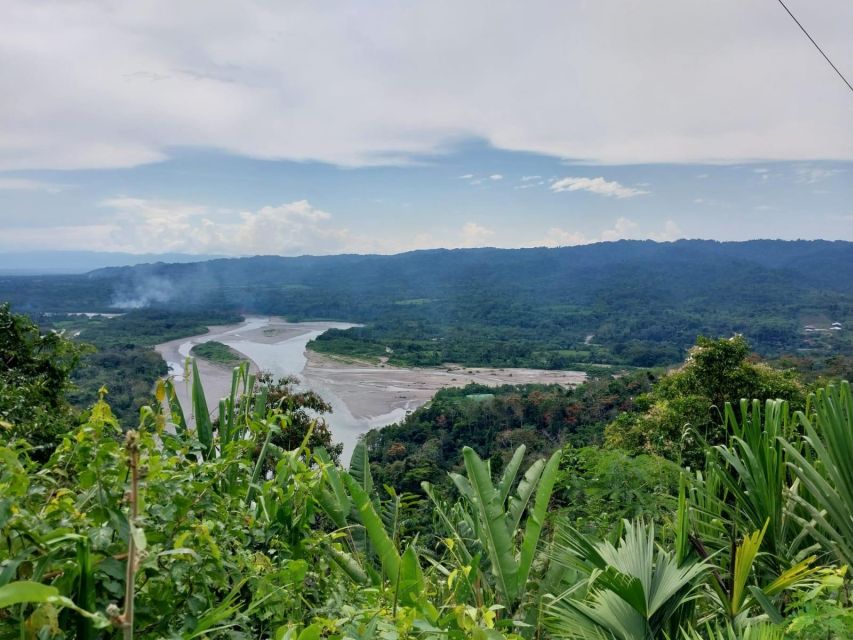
(257, 127)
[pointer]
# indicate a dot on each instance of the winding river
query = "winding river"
(362, 395)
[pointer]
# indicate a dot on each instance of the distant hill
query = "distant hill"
(68, 262)
(635, 302)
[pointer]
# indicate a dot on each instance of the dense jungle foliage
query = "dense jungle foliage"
(120, 352)
(636, 303)
(189, 526)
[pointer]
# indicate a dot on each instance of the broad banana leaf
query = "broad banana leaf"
(494, 532)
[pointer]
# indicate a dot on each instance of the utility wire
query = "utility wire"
(826, 57)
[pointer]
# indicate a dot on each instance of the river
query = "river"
(362, 395)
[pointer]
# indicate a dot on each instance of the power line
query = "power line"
(826, 57)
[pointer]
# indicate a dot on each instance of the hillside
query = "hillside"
(632, 302)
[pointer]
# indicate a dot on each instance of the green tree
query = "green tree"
(304, 409)
(685, 408)
(35, 370)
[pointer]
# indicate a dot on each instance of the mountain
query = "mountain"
(70, 262)
(636, 302)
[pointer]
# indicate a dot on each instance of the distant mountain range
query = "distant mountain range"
(69, 262)
(642, 302)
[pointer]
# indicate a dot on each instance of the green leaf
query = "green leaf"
(411, 586)
(494, 533)
(359, 468)
(744, 557)
(349, 566)
(25, 591)
(203, 424)
(518, 503)
(536, 517)
(175, 409)
(375, 529)
(85, 596)
(311, 632)
(764, 602)
(511, 471)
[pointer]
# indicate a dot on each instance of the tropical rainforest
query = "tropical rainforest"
(637, 303)
(710, 501)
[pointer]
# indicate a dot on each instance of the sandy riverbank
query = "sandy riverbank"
(363, 395)
(375, 390)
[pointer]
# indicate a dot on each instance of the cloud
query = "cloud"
(598, 186)
(143, 225)
(557, 237)
(496, 177)
(467, 176)
(622, 229)
(474, 235)
(388, 82)
(529, 178)
(671, 231)
(25, 184)
(150, 225)
(813, 175)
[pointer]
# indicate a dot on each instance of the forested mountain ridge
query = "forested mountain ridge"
(631, 302)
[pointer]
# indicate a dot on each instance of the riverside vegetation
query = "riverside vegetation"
(636, 303)
(681, 521)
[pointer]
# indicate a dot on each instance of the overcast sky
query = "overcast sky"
(325, 127)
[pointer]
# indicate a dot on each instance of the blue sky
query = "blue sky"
(240, 128)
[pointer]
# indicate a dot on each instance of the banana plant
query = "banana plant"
(371, 530)
(490, 521)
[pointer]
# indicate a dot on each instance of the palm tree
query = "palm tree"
(824, 469)
(633, 591)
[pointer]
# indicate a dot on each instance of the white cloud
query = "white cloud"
(557, 237)
(529, 178)
(670, 232)
(474, 235)
(813, 175)
(377, 83)
(496, 177)
(25, 184)
(467, 176)
(599, 186)
(145, 225)
(622, 229)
